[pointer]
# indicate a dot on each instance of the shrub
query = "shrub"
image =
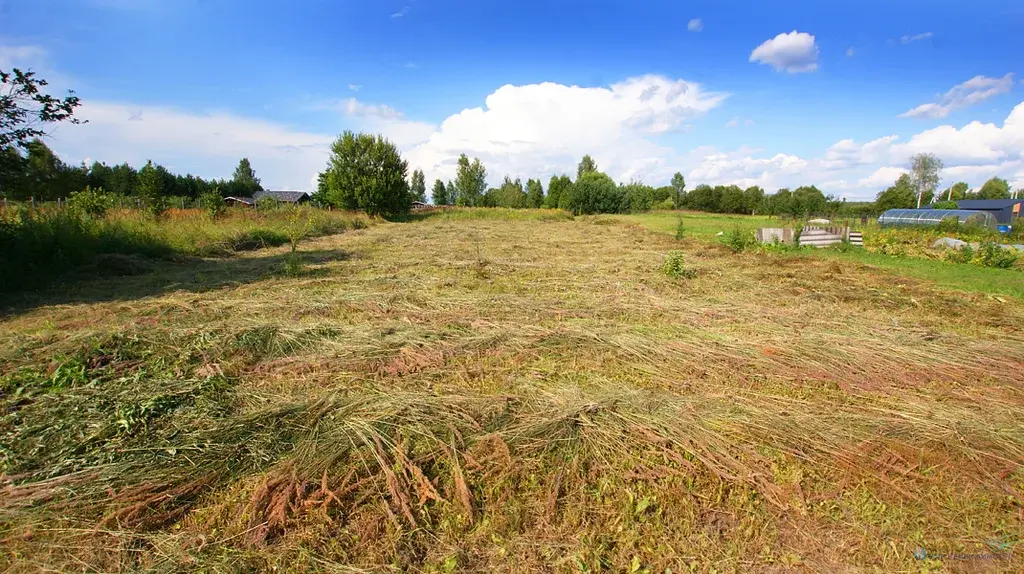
(157, 207)
(948, 225)
(665, 204)
(739, 239)
(680, 229)
(266, 203)
(595, 192)
(213, 203)
(992, 255)
(674, 267)
(91, 202)
(963, 255)
(945, 205)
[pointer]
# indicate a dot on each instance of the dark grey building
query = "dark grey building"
(1004, 210)
(283, 196)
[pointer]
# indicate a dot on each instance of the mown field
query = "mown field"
(493, 391)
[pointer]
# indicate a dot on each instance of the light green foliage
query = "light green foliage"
(674, 266)
(366, 172)
(963, 255)
(991, 254)
(510, 194)
(679, 189)
(739, 239)
(900, 195)
(639, 197)
(151, 184)
(558, 187)
(213, 203)
(586, 165)
(91, 202)
(471, 182)
(944, 205)
(534, 194)
(244, 181)
(995, 188)
(418, 187)
(955, 192)
(988, 254)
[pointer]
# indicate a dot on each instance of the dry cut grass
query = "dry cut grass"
(518, 395)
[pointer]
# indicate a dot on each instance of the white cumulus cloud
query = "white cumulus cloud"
(543, 129)
(792, 52)
(205, 144)
(969, 93)
(695, 25)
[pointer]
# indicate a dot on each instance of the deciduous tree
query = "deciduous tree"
(470, 181)
(418, 187)
(924, 176)
(366, 172)
(956, 192)
(679, 189)
(25, 108)
(586, 165)
(901, 195)
(995, 188)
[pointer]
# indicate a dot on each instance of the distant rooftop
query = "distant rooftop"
(283, 196)
(987, 203)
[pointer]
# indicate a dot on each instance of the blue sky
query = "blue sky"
(724, 92)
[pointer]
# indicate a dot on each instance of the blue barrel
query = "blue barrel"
(1003, 228)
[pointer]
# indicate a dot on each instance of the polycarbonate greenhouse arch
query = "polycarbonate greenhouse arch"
(935, 216)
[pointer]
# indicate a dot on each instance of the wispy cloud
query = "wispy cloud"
(355, 87)
(908, 38)
(973, 91)
(738, 121)
(400, 13)
(695, 25)
(849, 52)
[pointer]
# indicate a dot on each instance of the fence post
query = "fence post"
(33, 200)
(120, 203)
(183, 203)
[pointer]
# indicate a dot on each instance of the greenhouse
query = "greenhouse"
(935, 216)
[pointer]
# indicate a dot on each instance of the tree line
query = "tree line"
(38, 173)
(367, 172)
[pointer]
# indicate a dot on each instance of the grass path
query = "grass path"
(461, 394)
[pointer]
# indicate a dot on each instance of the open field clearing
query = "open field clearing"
(494, 391)
(916, 265)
